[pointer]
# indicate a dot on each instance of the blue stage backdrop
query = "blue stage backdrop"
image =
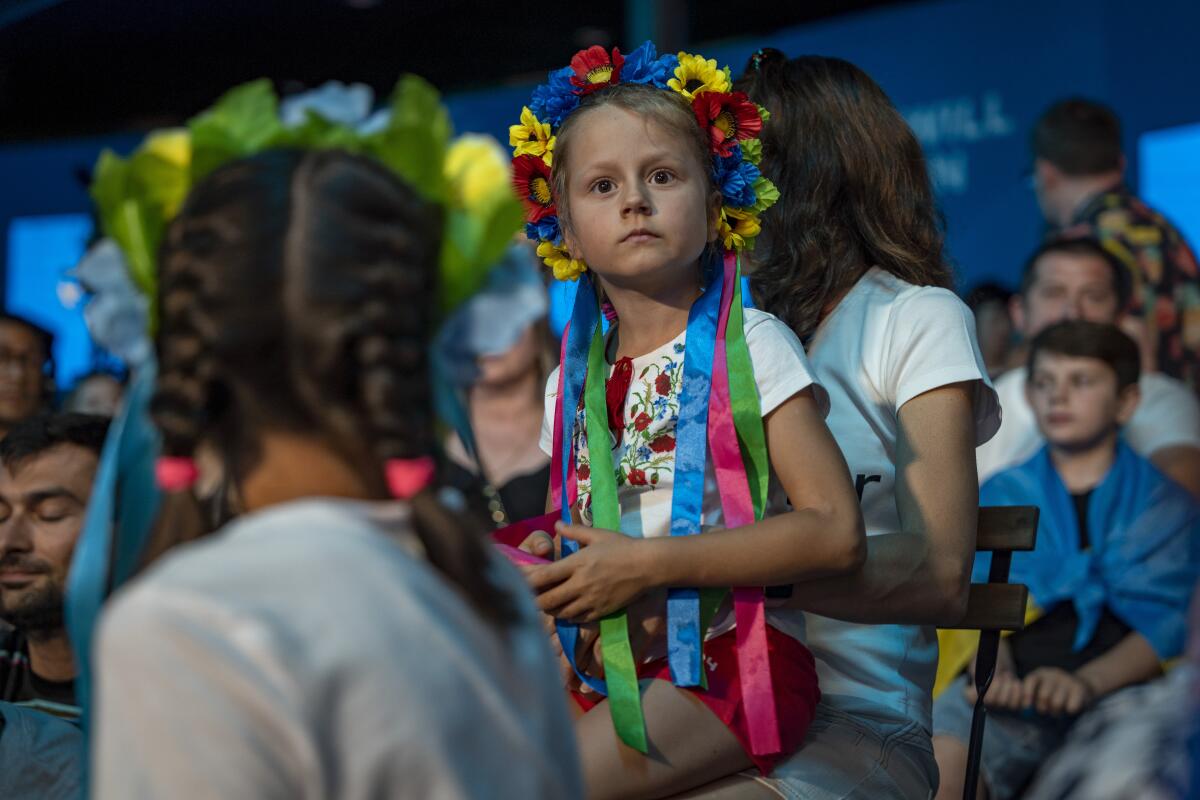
(970, 76)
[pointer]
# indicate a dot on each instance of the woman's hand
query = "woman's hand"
(607, 573)
(1056, 692)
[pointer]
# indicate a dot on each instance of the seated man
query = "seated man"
(1078, 279)
(1111, 575)
(46, 469)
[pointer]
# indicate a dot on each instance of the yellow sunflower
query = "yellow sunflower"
(531, 137)
(565, 268)
(743, 230)
(695, 74)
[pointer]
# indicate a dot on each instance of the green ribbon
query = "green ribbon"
(620, 673)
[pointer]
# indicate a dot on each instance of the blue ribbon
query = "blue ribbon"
(119, 519)
(585, 316)
(684, 637)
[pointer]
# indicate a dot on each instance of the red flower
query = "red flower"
(531, 179)
(595, 70)
(642, 422)
(663, 444)
(662, 384)
(584, 472)
(637, 477)
(727, 116)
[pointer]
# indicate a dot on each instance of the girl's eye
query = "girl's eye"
(603, 186)
(661, 177)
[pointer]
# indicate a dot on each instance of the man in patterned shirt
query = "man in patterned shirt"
(1078, 169)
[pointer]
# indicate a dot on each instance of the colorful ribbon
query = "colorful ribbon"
(735, 416)
(719, 411)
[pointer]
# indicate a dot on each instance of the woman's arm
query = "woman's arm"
(920, 574)
(822, 536)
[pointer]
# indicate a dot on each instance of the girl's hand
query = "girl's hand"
(605, 575)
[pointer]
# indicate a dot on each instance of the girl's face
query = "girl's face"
(640, 205)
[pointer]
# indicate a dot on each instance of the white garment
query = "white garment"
(1168, 415)
(309, 651)
(886, 342)
(645, 459)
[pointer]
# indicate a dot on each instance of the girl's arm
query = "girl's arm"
(823, 536)
(920, 574)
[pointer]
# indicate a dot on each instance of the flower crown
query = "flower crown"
(731, 121)
(136, 197)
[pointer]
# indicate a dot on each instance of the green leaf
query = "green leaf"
(471, 244)
(752, 150)
(766, 193)
(414, 142)
(244, 121)
(318, 133)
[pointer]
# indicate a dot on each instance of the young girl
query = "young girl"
(853, 263)
(644, 198)
(328, 642)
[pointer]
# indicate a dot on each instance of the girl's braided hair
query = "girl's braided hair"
(297, 293)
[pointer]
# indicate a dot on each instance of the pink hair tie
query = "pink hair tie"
(610, 313)
(175, 473)
(407, 476)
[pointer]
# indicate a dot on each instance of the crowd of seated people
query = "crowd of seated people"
(341, 627)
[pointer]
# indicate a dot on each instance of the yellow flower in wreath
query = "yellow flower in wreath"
(695, 74)
(737, 228)
(531, 137)
(565, 268)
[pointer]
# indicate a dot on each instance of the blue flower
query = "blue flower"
(554, 100)
(644, 454)
(643, 65)
(678, 348)
(735, 177)
(545, 229)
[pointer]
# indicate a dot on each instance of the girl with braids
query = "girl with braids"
(852, 262)
(328, 642)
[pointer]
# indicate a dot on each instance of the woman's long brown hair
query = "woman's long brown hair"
(853, 185)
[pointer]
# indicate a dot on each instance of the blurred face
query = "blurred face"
(42, 505)
(994, 329)
(100, 395)
(514, 363)
(640, 206)
(1068, 286)
(21, 377)
(1075, 400)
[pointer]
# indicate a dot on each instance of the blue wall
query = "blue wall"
(971, 77)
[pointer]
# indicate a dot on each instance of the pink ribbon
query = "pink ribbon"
(754, 666)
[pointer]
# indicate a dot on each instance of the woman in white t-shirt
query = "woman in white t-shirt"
(330, 641)
(852, 261)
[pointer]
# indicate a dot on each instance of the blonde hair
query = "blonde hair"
(668, 109)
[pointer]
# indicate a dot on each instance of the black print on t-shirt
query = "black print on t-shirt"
(861, 481)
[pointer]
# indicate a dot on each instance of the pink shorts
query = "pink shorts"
(794, 677)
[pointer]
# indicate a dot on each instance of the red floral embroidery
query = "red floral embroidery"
(642, 422)
(637, 477)
(662, 384)
(663, 444)
(584, 472)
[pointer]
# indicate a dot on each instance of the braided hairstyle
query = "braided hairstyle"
(297, 294)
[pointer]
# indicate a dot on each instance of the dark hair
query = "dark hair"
(987, 292)
(1083, 339)
(1085, 247)
(297, 293)
(36, 435)
(45, 339)
(1080, 137)
(854, 188)
(666, 108)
